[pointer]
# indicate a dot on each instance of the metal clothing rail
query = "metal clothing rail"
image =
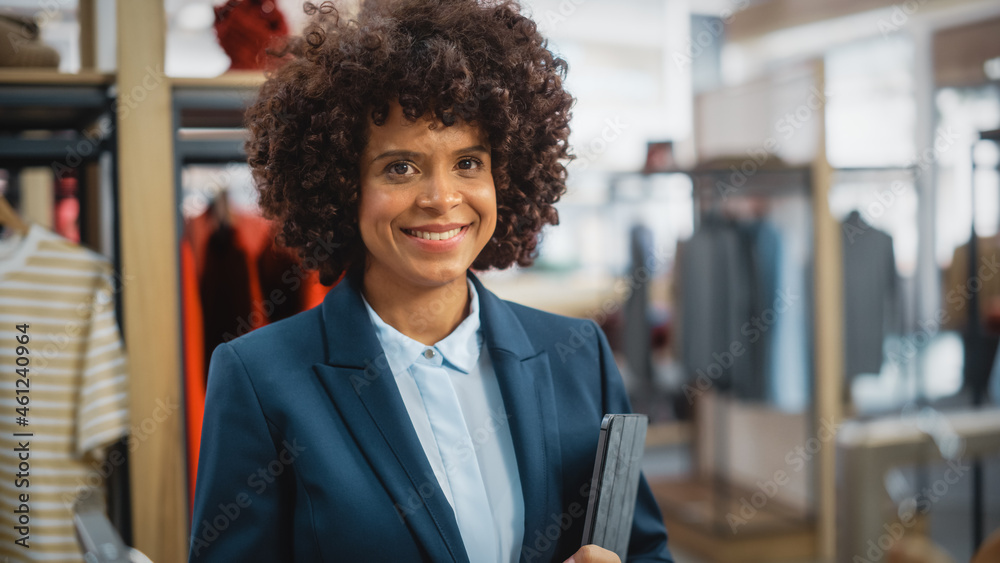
(977, 364)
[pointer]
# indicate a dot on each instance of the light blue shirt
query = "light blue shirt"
(465, 364)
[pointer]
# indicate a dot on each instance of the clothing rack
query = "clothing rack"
(977, 365)
(77, 114)
(78, 118)
(712, 187)
(207, 127)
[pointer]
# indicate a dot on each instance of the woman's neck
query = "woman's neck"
(425, 314)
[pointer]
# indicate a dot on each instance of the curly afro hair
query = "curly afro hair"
(483, 63)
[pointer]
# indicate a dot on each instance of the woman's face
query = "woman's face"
(428, 204)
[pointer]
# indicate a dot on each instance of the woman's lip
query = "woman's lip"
(434, 232)
(437, 245)
(437, 228)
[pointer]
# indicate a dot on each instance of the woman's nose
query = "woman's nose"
(439, 192)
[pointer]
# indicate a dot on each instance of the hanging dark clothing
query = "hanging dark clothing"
(871, 292)
(224, 288)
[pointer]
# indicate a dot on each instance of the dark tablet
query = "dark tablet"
(615, 482)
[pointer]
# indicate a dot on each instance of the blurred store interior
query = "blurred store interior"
(757, 185)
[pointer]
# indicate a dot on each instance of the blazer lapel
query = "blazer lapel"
(526, 386)
(358, 379)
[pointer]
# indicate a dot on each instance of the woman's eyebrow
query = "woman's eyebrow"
(398, 154)
(413, 155)
(473, 148)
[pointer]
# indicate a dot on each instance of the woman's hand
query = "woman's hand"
(593, 554)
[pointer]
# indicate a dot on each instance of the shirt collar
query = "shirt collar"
(460, 349)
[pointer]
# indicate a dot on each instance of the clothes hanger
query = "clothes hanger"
(10, 219)
(221, 208)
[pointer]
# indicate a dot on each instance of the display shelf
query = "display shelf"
(665, 434)
(231, 79)
(52, 106)
(44, 76)
(769, 533)
(19, 151)
(872, 447)
(64, 121)
(209, 151)
(755, 173)
(211, 107)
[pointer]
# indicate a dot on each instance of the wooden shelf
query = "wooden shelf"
(772, 533)
(44, 76)
(663, 434)
(232, 79)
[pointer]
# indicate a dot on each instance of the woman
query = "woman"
(413, 416)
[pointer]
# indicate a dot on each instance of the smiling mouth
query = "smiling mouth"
(434, 236)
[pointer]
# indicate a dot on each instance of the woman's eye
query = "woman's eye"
(469, 163)
(399, 168)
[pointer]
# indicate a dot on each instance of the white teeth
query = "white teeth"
(435, 236)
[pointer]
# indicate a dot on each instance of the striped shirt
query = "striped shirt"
(61, 296)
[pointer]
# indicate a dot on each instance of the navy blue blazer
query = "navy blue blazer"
(308, 453)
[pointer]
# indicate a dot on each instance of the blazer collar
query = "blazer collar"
(525, 381)
(358, 379)
(351, 343)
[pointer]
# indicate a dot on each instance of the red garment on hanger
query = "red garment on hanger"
(254, 236)
(66, 214)
(194, 363)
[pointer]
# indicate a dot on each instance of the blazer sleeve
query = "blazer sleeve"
(241, 511)
(648, 542)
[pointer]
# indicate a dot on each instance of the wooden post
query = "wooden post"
(829, 327)
(149, 264)
(86, 16)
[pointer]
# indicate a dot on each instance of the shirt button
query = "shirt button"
(428, 353)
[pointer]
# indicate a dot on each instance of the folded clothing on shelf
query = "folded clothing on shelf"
(24, 47)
